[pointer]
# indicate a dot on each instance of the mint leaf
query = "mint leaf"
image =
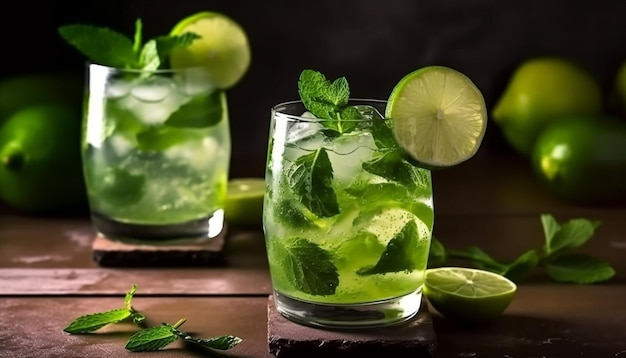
(310, 178)
(161, 138)
(120, 187)
(138, 38)
(95, 321)
(311, 266)
(101, 45)
(436, 253)
(289, 212)
(199, 112)
(151, 339)
(149, 56)
(522, 266)
(390, 195)
(478, 258)
(328, 100)
(220, 343)
(391, 166)
(399, 253)
(92, 322)
(110, 48)
(572, 234)
(579, 268)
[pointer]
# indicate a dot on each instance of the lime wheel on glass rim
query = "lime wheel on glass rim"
(223, 48)
(438, 116)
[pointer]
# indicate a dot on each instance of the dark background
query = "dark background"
(374, 43)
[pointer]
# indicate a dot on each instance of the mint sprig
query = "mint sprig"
(147, 339)
(159, 337)
(94, 321)
(110, 48)
(327, 100)
(557, 256)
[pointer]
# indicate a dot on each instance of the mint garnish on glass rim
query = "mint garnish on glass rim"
(111, 48)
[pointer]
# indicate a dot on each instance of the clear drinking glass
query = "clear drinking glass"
(156, 152)
(347, 219)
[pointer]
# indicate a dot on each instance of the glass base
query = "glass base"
(350, 316)
(190, 231)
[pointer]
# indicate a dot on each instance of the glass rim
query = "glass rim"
(278, 110)
(90, 64)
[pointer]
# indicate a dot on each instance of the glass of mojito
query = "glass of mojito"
(155, 139)
(347, 219)
(156, 151)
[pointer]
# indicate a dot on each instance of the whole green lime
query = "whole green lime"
(40, 164)
(582, 159)
(540, 91)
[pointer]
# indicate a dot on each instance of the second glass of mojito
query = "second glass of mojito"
(347, 219)
(156, 151)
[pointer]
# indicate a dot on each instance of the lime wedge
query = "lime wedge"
(439, 116)
(223, 49)
(466, 294)
(244, 202)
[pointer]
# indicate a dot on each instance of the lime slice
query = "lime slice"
(467, 294)
(223, 49)
(244, 202)
(439, 116)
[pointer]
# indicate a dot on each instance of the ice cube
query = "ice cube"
(200, 154)
(153, 100)
(152, 89)
(195, 81)
(369, 112)
(116, 88)
(120, 145)
(347, 154)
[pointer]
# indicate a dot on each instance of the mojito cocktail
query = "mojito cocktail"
(156, 151)
(347, 218)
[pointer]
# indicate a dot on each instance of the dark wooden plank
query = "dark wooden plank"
(543, 320)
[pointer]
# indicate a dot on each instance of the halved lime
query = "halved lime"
(467, 294)
(439, 116)
(223, 49)
(244, 202)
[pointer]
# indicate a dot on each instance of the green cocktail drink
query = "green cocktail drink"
(156, 142)
(347, 219)
(156, 152)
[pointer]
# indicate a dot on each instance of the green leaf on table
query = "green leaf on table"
(101, 45)
(92, 322)
(200, 112)
(151, 339)
(571, 234)
(311, 266)
(399, 253)
(479, 259)
(436, 253)
(519, 269)
(579, 268)
(221, 343)
(310, 178)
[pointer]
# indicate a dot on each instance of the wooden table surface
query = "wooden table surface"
(48, 278)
